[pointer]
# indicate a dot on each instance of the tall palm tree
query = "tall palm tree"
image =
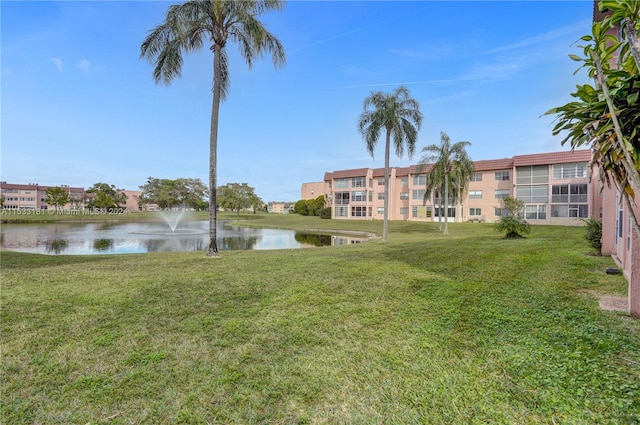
(452, 169)
(191, 25)
(399, 116)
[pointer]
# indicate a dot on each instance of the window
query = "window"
(359, 196)
(571, 210)
(404, 211)
(535, 212)
(532, 175)
(404, 181)
(342, 198)
(358, 182)
(417, 194)
(569, 193)
(419, 180)
(380, 196)
(380, 210)
(358, 211)
(476, 177)
(533, 194)
(501, 193)
(342, 183)
(381, 181)
(502, 176)
(577, 193)
(341, 211)
(559, 193)
(501, 212)
(475, 211)
(418, 211)
(370, 182)
(370, 196)
(574, 170)
(475, 194)
(451, 211)
(404, 196)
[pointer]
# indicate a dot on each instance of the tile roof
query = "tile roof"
(583, 155)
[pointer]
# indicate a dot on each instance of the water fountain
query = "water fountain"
(172, 218)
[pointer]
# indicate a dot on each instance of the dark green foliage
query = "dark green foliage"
(593, 233)
(513, 226)
(325, 213)
(301, 208)
(106, 196)
(313, 239)
(312, 207)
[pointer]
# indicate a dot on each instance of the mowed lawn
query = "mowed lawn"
(425, 329)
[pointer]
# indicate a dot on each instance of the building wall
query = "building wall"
(33, 196)
(359, 193)
(312, 190)
(619, 237)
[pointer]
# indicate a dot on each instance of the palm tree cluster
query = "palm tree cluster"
(193, 24)
(398, 115)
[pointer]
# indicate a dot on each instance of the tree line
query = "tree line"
(182, 193)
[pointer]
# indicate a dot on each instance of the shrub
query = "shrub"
(513, 226)
(325, 213)
(594, 233)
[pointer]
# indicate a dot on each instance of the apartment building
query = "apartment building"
(277, 207)
(555, 188)
(33, 196)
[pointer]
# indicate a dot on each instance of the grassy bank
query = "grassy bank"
(466, 328)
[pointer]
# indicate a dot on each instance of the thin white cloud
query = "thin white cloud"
(408, 83)
(551, 35)
(84, 65)
(58, 63)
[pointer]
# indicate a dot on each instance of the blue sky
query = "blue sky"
(78, 106)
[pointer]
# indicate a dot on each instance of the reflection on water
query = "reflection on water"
(55, 246)
(122, 238)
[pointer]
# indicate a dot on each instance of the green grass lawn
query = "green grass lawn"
(425, 329)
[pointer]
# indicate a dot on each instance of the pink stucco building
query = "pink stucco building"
(620, 239)
(555, 187)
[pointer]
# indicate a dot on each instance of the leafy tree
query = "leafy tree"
(606, 116)
(57, 197)
(301, 207)
(398, 115)
(106, 196)
(313, 207)
(451, 171)
(191, 25)
(512, 224)
(167, 193)
(236, 196)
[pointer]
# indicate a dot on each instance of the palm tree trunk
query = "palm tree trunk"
(213, 154)
(446, 204)
(439, 211)
(385, 223)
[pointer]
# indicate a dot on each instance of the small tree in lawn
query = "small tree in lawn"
(512, 224)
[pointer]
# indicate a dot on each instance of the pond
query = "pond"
(139, 237)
